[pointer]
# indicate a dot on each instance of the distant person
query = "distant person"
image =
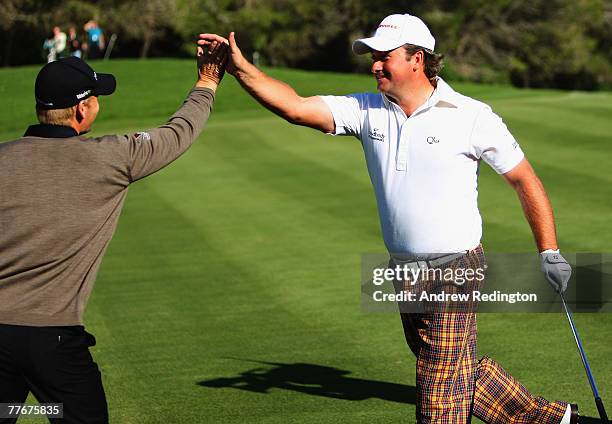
(95, 40)
(49, 48)
(62, 193)
(74, 44)
(423, 144)
(59, 38)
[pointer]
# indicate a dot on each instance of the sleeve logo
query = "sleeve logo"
(142, 136)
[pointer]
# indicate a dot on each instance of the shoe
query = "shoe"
(574, 417)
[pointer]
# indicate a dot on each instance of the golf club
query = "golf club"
(587, 367)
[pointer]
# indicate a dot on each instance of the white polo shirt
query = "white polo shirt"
(424, 168)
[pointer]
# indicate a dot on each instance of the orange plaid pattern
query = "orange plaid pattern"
(499, 398)
(451, 384)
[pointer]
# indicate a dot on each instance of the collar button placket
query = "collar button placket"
(402, 148)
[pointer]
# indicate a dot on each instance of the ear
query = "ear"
(81, 111)
(419, 60)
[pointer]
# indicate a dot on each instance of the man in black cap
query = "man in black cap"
(61, 197)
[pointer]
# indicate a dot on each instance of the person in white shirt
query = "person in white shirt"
(423, 143)
(60, 42)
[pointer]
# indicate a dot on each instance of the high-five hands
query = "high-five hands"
(236, 61)
(212, 58)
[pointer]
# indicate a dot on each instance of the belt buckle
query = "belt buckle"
(423, 265)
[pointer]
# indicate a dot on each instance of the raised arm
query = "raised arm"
(275, 95)
(153, 149)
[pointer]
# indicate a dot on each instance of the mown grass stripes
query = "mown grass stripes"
(248, 249)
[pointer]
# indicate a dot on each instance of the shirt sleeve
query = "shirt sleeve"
(151, 150)
(491, 140)
(347, 113)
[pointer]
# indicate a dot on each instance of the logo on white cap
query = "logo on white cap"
(395, 31)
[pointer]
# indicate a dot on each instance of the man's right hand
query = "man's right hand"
(212, 57)
(237, 61)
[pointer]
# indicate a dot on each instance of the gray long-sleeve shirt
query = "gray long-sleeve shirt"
(60, 199)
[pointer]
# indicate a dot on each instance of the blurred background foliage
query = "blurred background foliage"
(529, 43)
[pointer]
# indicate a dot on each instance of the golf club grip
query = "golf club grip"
(602, 411)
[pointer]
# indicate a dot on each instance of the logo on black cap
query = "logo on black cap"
(83, 95)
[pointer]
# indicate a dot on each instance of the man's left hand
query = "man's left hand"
(556, 270)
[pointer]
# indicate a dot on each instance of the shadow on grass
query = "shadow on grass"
(315, 380)
(590, 420)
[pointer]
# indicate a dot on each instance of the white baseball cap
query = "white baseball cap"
(395, 31)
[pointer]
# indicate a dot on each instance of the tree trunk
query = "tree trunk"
(146, 45)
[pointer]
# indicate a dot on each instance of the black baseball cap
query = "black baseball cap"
(65, 82)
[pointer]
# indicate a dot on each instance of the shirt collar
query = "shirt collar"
(50, 131)
(442, 96)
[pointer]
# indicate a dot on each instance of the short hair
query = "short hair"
(57, 116)
(433, 61)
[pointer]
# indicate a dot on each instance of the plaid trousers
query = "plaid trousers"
(452, 385)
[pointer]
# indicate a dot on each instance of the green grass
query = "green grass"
(238, 266)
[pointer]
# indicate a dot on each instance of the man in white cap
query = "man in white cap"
(423, 143)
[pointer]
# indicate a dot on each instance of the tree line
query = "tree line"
(529, 43)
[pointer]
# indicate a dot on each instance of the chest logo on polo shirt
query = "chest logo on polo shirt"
(432, 140)
(375, 135)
